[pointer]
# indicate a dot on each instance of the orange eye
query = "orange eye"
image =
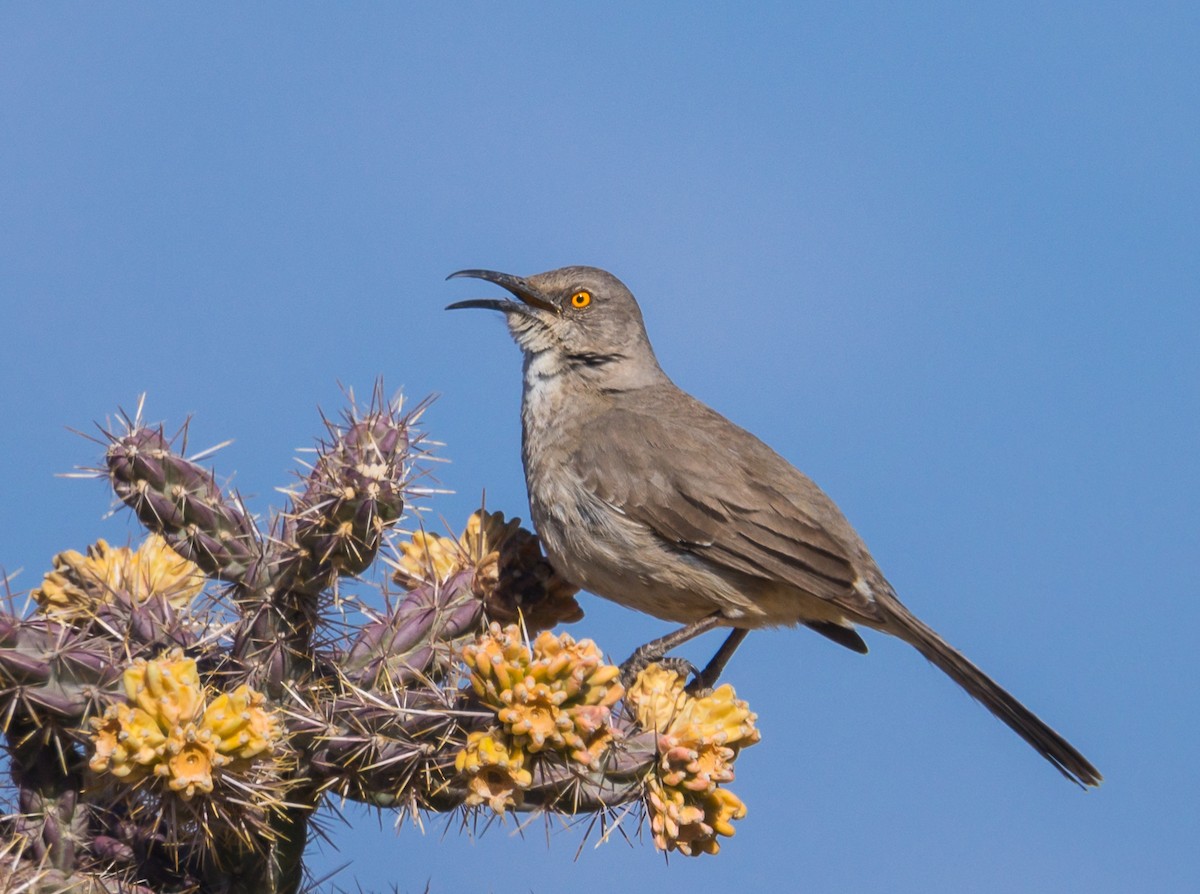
(581, 299)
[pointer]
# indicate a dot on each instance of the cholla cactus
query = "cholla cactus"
(176, 711)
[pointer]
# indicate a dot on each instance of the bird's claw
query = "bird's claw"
(644, 656)
(700, 685)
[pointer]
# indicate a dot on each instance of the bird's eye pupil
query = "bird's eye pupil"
(581, 299)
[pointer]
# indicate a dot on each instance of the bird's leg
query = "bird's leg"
(707, 678)
(654, 650)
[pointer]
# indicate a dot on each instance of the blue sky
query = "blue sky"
(943, 257)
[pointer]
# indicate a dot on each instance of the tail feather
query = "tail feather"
(984, 689)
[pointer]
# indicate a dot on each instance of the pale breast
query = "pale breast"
(599, 548)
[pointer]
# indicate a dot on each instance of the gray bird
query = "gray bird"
(645, 496)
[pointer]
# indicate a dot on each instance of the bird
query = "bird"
(643, 495)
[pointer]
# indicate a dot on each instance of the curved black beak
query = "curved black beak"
(519, 287)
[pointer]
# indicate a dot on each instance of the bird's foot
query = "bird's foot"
(644, 656)
(653, 651)
(701, 685)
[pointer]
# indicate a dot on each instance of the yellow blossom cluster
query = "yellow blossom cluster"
(556, 695)
(698, 741)
(171, 727)
(496, 770)
(79, 583)
(431, 558)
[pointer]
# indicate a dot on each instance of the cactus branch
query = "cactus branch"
(177, 711)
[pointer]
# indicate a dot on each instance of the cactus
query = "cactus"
(176, 713)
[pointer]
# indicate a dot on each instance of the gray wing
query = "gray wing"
(712, 489)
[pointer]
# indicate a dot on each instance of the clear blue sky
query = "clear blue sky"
(945, 259)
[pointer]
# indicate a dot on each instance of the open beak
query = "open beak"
(530, 296)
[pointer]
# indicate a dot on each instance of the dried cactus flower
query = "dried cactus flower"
(556, 695)
(525, 588)
(80, 583)
(430, 558)
(496, 770)
(512, 577)
(165, 730)
(698, 741)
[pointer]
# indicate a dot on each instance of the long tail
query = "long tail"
(1020, 719)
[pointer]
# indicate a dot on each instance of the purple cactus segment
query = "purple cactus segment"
(200, 511)
(10, 630)
(568, 787)
(367, 515)
(412, 667)
(69, 704)
(464, 614)
(49, 671)
(111, 850)
(427, 614)
(354, 493)
(23, 669)
(153, 623)
(91, 663)
(369, 745)
(136, 455)
(211, 553)
(40, 653)
(182, 501)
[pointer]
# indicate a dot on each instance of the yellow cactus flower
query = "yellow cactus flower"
(719, 717)
(157, 570)
(80, 583)
(556, 695)
(173, 728)
(691, 825)
(168, 688)
(428, 558)
(698, 741)
(239, 724)
(495, 771)
(142, 735)
(657, 698)
(533, 713)
(499, 660)
(189, 765)
(117, 740)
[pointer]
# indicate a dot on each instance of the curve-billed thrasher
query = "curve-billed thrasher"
(645, 496)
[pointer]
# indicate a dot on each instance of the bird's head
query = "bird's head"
(585, 317)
